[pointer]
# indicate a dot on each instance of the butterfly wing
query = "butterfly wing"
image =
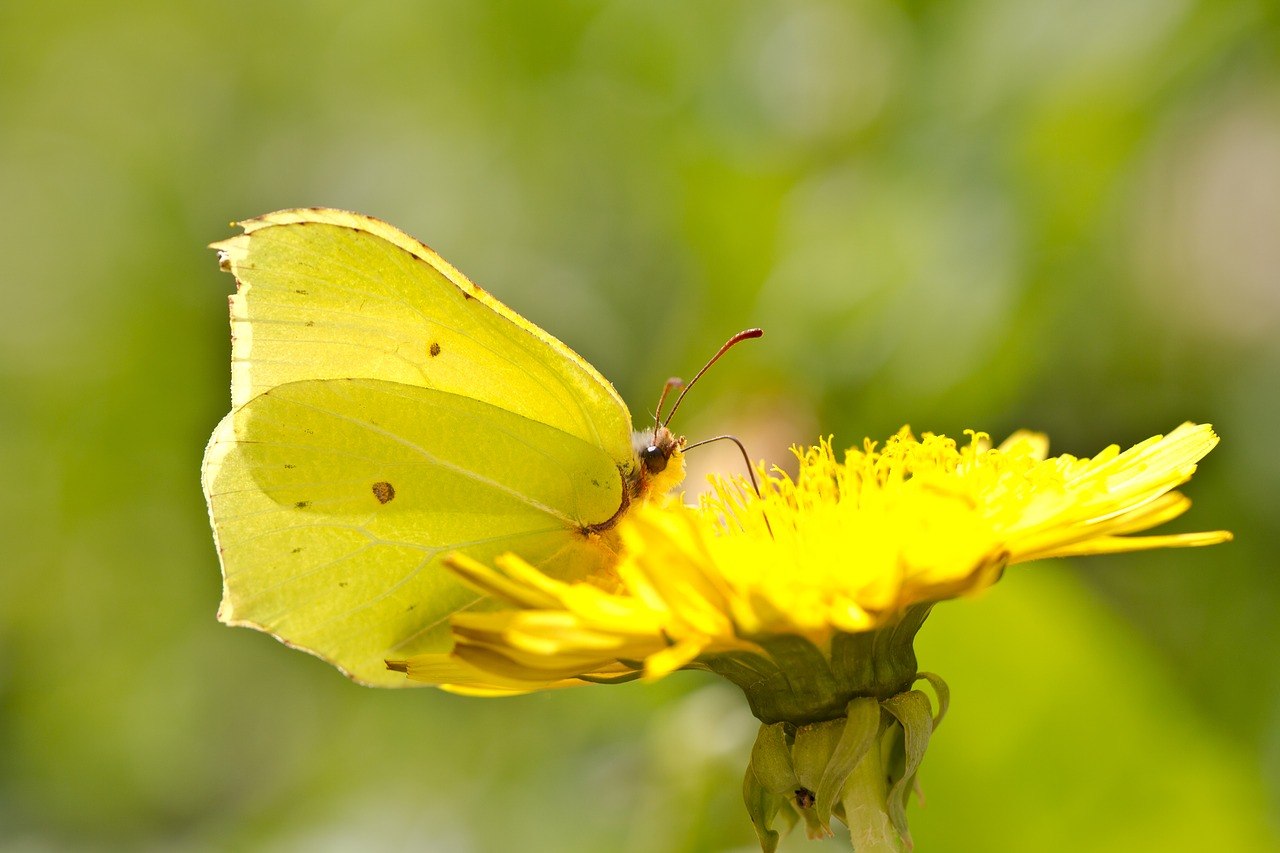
(386, 413)
(327, 294)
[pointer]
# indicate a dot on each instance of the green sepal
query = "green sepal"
(941, 690)
(863, 806)
(881, 662)
(771, 760)
(913, 711)
(859, 734)
(811, 753)
(795, 683)
(764, 806)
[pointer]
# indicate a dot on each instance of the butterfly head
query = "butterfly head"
(660, 454)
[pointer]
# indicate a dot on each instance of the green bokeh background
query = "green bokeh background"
(1062, 215)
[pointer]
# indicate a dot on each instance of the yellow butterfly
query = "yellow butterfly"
(387, 412)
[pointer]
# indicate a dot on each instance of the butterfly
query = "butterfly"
(386, 413)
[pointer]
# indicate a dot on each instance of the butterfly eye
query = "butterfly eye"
(654, 459)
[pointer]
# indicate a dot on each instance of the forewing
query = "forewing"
(333, 502)
(327, 294)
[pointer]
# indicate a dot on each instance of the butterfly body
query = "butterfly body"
(387, 412)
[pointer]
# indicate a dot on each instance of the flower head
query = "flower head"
(848, 546)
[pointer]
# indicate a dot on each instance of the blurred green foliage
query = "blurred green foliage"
(990, 214)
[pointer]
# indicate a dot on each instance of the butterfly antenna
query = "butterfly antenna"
(736, 339)
(672, 383)
(751, 471)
